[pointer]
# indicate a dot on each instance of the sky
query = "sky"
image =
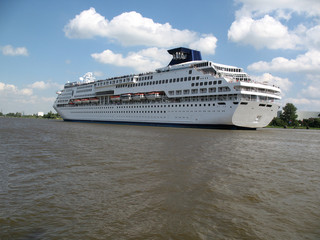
(44, 43)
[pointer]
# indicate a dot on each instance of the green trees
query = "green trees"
(311, 122)
(17, 114)
(289, 116)
(51, 115)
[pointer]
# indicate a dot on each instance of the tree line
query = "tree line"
(288, 118)
(49, 115)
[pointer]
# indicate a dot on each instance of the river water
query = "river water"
(65, 180)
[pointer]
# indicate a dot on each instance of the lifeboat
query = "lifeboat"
(138, 96)
(85, 100)
(94, 100)
(126, 97)
(115, 98)
(153, 95)
(77, 101)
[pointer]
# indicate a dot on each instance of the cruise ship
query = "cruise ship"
(188, 92)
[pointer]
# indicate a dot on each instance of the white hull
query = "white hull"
(250, 115)
(191, 92)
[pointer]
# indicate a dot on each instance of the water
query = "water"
(63, 180)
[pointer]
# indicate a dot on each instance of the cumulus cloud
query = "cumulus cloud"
(282, 8)
(145, 60)
(264, 24)
(9, 50)
(304, 103)
(284, 83)
(206, 44)
(132, 29)
(312, 37)
(308, 62)
(265, 32)
(41, 85)
(19, 99)
(10, 89)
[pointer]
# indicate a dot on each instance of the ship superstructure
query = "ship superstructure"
(189, 91)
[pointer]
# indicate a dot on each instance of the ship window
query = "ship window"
(203, 90)
(219, 82)
(201, 84)
(185, 79)
(190, 71)
(193, 78)
(192, 84)
(214, 82)
(174, 80)
(197, 84)
(194, 91)
(189, 78)
(170, 81)
(205, 83)
(198, 78)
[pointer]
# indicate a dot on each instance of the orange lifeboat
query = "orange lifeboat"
(115, 98)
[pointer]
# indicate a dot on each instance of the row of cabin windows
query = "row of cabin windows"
(206, 83)
(164, 111)
(108, 82)
(201, 90)
(84, 90)
(228, 69)
(173, 80)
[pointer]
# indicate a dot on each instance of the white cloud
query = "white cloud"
(264, 24)
(265, 32)
(39, 85)
(304, 103)
(132, 29)
(11, 51)
(312, 37)
(206, 44)
(15, 99)
(10, 89)
(145, 60)
(282, 8)
(308, 62)
(87, 24)
(312, 91)
(44, 85)
(284, 83)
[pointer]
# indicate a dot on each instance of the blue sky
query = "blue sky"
(44, 43)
